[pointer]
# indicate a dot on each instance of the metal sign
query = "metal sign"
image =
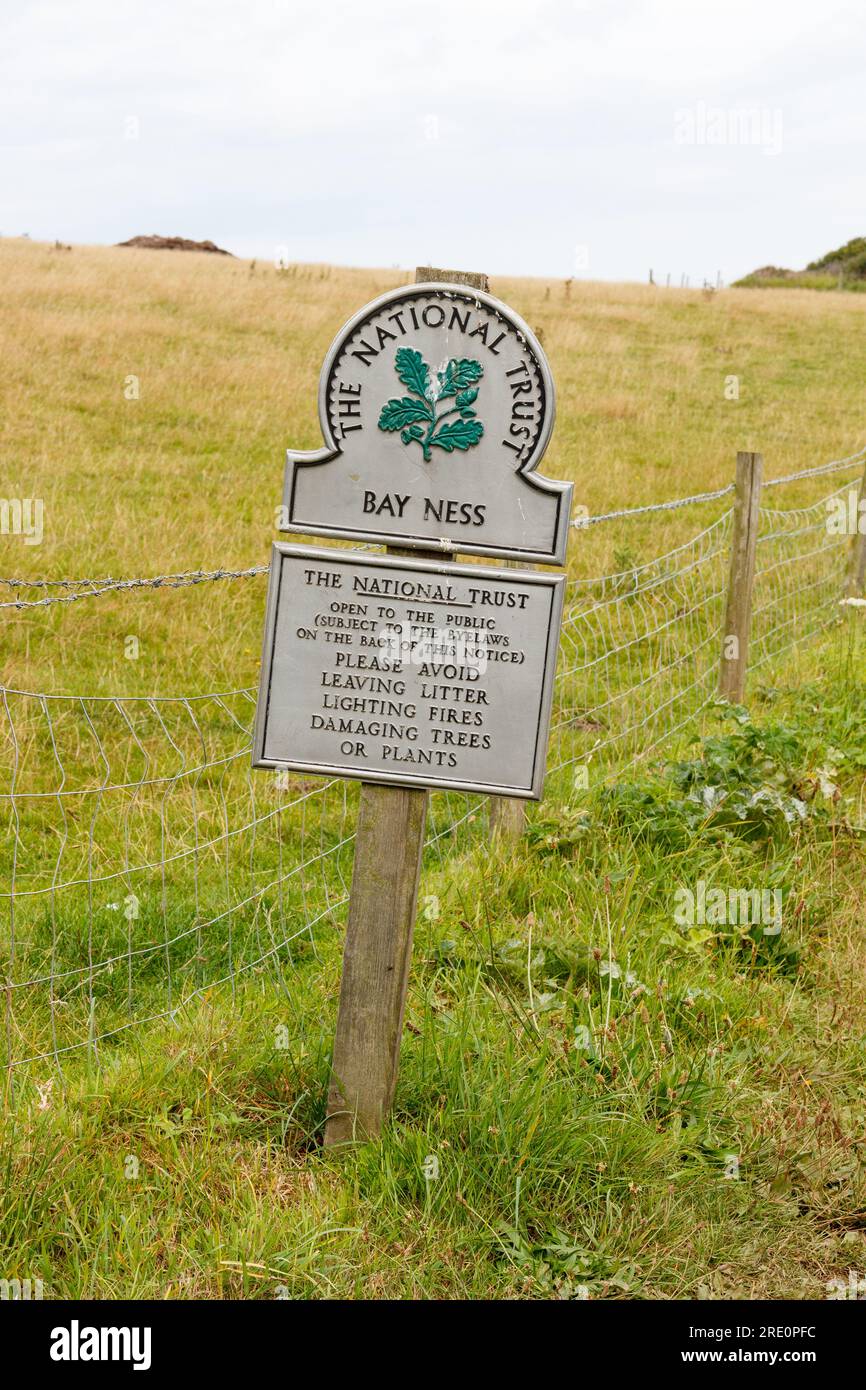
(436, 404)
(408, 672)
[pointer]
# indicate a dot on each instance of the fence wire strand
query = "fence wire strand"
(145, 864)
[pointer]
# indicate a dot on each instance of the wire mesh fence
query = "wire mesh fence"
(799, 576)
(145, 863)
(639, 654)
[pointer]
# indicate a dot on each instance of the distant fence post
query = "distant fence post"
(507, 817)
(744, 542)
(855, 581)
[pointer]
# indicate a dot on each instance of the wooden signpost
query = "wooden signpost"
(407, 670)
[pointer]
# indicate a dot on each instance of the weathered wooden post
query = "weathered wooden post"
(507, 817)
(855, 580)
(744, 543)
(436, 404)
(376, 958)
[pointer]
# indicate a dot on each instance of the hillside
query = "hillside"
(842, 269)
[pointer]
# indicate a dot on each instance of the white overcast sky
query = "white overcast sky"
(557, 137)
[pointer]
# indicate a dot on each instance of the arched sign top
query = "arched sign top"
(436, 405)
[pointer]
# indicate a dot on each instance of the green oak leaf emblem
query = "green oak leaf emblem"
(416, 417)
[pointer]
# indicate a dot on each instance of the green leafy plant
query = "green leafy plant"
(556, 1265)
(754, 783)
(748, 781)
(416, 416)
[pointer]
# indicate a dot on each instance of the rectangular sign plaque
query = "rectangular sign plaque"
(407, 672)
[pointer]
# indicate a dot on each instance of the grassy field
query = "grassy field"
(228, 354)
(595, 1100)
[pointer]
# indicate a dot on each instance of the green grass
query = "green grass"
(563, 1126)
(801, 280)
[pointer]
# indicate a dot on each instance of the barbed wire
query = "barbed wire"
(108, 585)
(93, 588)
(818, 471)
(583, 523)
(182, 577)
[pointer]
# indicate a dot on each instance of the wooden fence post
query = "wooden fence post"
(744, 542)
(507, 817)
(382, 905)
(856, 577)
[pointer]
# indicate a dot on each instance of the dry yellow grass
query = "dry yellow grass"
(227, 354)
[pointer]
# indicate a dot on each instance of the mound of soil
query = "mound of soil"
(173, 243)
(771, 272)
